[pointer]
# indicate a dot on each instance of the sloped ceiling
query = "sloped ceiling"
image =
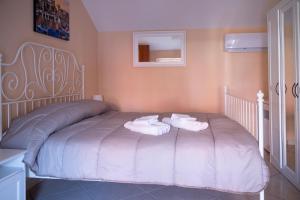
(127, 15)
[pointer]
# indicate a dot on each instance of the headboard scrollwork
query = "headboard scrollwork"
(38, 75)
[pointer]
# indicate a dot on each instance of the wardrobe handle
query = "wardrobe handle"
(296, 89)
(285, 89)
(293, 90)
(276, 89)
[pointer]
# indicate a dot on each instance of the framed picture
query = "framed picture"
(51, 17)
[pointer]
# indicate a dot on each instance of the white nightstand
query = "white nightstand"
(12, 175)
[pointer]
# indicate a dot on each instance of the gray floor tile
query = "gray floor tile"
(273, 170)
(178, 193)
(52, 187)
(150, 187)
(271, 197)
(140, 197)
(70, 195)
(111, 191)
(280, 187)
(227, 196)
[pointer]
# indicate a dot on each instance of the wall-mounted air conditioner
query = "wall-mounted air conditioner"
(246, 42)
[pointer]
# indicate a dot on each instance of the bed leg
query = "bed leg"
(262, 195)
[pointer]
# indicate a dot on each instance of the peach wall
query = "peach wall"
(109, 70)
(196, 87)
(16, 20)
(246, 73)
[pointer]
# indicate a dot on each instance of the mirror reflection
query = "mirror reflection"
(290, 79)
(159, 49)
(154, 48)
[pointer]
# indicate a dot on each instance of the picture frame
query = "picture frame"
(51, 17)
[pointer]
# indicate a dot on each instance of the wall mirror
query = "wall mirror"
(159, 49)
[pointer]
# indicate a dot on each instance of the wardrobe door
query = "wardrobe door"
(274, 85)
(297, 88)
(289, 80)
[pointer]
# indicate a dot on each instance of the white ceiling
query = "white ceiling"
(128, 15)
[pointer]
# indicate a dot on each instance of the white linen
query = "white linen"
(148, 125)
(182, 116)
(146, 120)
(185, 122)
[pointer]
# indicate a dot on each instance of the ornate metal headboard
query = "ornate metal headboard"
(37, 76)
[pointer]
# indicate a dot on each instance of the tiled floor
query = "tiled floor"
(278, 189)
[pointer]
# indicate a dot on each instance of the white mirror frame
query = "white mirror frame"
(137, 35)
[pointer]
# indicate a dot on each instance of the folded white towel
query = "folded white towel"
(182, 117)
(176, 116)
(146, 119)
(148, 125)
(185, 122)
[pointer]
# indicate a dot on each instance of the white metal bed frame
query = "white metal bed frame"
(243, 111)
(250, 115)
(54, 80)
(37, 76)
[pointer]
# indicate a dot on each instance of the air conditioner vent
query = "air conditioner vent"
(246, 42)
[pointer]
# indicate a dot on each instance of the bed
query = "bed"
(71, 138)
